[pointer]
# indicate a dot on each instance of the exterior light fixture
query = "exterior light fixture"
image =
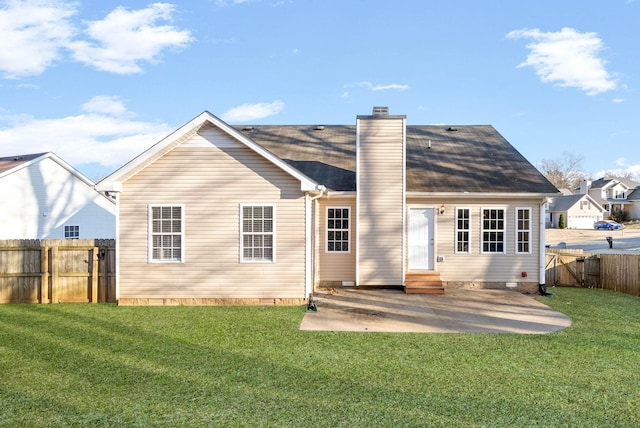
(441, 210)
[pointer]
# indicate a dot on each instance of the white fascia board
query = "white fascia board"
(594, 202)
(488, 195)
(115, 180)
(334, 194)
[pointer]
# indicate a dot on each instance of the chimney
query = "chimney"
(585, 185)
(380, 199)
(380, 111)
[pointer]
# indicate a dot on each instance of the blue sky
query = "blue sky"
(98, 82)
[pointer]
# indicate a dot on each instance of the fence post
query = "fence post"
(94, 275)
(55, 279)
(44, 274)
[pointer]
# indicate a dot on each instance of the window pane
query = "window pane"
(337, 229)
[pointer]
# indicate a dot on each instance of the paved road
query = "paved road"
(624, 241)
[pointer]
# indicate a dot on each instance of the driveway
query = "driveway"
(456, 311)
(625, 241)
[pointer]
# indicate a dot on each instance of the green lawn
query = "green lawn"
(102, 365)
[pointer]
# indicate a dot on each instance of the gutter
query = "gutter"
(542, 286)
(309, 253)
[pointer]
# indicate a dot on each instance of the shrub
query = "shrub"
(619, 215)
(561, 223)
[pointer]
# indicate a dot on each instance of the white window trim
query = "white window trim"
(517, 230)
(326, 232)
(67, 230)
(273, 232)
(456, 230)
(150, 233)
(503, 230)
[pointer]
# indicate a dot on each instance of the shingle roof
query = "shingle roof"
(564, 203)
(601, 182)
(470, 158)
(10, 162)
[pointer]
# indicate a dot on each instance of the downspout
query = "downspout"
(310, 253)
(542, 286)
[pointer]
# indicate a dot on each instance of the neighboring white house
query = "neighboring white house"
(614, 193)
(579, 211)
(43, 197)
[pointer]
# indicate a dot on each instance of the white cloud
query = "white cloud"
(377, 87)
(249, 112)
(390, 87)
(125, 38)
(567, 58)
(106, 135)
(33, 32)
(110, 105)
(624, 169)
(618, 100)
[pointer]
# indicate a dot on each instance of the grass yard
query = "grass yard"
(102, 365)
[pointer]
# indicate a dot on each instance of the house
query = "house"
(43, 197)
(219, 214)
(614, 194)
(579, 211)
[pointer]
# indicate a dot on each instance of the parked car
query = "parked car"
(607, 224)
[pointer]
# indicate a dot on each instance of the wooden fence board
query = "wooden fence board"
(575, 268)
(57, 271)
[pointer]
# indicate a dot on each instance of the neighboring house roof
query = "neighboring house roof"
(564, 203)
(442, 159)
(608, 181)
(8, 163)
(634, 195)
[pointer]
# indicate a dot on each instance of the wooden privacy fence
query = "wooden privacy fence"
(57, 270)
(576, 268)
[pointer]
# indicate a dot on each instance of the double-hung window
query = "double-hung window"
(463, 218)
(493, 230)
(257, 230)
(338, 229)
(166, 233)
(523, 230)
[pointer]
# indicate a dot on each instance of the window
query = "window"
(523, 230)
(257, 230)
(619, 194)
(72, 232)
(166, 232)
(493, 230)
(338, 229)
(463, 217)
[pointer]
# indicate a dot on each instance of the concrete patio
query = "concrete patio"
(457, 311)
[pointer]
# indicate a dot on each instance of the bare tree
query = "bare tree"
(563, 172)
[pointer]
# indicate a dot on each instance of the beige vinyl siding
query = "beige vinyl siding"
(380, 201)
(211, 183)
(478, 267)
(335, 266)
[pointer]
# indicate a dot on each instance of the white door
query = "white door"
(421, 238)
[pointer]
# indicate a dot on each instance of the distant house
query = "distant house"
(614, 193)
(579, 211)
(218, 214)
(44, 197)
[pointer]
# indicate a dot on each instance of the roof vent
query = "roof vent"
(381, 111)
(248, 128)
(318, 128)
(450, 129)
